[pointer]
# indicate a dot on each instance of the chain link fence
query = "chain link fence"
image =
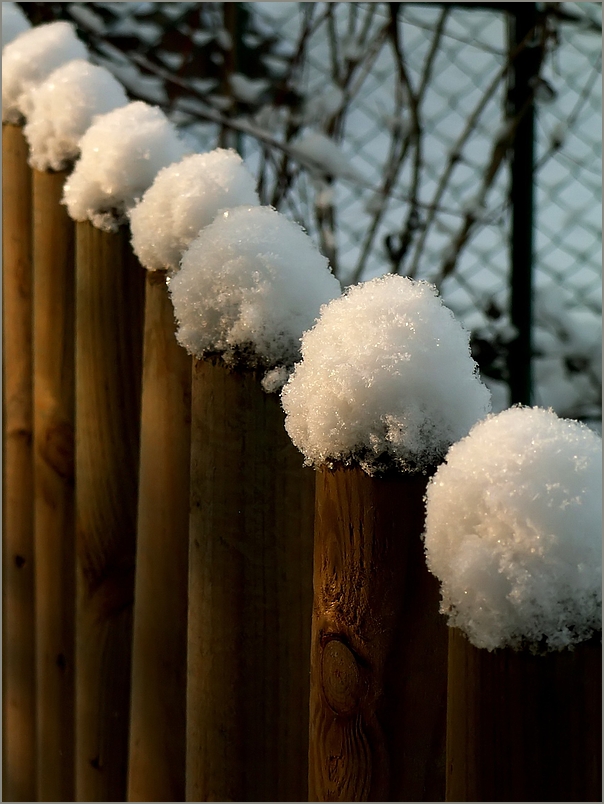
(388, 138)
(472, 53)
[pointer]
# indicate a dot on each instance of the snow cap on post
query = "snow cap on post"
(29, 59)
(184, 198)
(14, 22)
(248, 287)
(386, 380)
(62, 109)
(121, 153)
(514, 529)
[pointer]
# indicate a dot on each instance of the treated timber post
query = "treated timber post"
(378, 655)
(157, 729)
(18, 643)
(522, 727)
(109, 327)
(249, 595)
(54, 356)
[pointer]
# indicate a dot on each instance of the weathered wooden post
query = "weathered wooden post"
(378, 644)
(162, 225)
(121, 153)
(385, 385)
(26, 61)
(18, 644)
(513, 531)
(60, 110)
(248, 287)
(54, 402)
(109, 302)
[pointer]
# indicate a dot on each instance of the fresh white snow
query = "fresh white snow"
(386, 378)
(248, 287)
(121, 153)
(323, 156)
(14, 22)
(514, 530)
(184, 198)
(29, 59)
(62, 109)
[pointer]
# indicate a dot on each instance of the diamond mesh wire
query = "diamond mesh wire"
(404, 216)
(471, 54)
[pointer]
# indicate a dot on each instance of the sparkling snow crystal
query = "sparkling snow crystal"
(14, 22)
(121, 153)
(183, 199)
(248, 287)
(386, 378)
(62, 108)
(514, 528)
(29, 59)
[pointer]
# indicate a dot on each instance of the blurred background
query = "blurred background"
(457, 143)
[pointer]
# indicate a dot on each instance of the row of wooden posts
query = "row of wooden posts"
(160, 636)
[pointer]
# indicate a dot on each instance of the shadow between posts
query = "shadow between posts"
(379, 644)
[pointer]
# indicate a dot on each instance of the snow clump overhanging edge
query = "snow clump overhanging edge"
(184, 198)
(249, 285)
(386, 379)
(514, 531)
(121, 153)
(62, 109)
(29, 59)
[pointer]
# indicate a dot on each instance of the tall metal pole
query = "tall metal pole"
(523, 19)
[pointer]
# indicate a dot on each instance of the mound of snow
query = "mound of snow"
(121, 153)
(62, 109)
(14, 22)
(32, 57)
(514, 529)
(248, 287)
(386, 379)
(183, 199)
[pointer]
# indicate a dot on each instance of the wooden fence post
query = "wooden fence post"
(378, 655)
(54, 356)
(249, 595)
(522, 727)
(109, 327)
(18, 643)
(157, 729)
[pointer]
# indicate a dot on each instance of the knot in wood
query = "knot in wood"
(340, 677)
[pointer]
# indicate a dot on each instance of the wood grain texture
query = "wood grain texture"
(54, 454)
(378, 651)
(18, 644)
(522, 727)
(250, 595)
(109, 334)
(157, 729)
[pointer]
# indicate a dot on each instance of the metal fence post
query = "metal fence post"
(523, 18)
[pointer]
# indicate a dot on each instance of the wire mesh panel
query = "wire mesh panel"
(386, 131)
